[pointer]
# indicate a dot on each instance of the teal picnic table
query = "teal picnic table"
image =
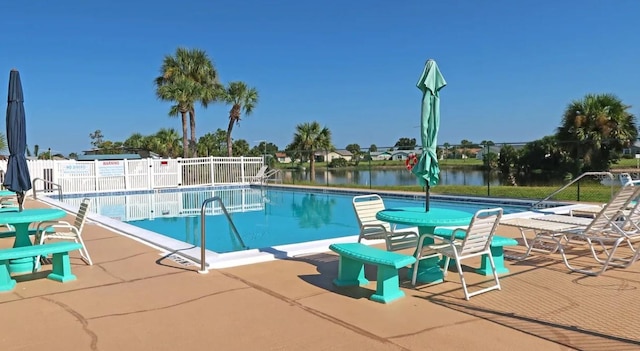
(21, 221)
(428, 269)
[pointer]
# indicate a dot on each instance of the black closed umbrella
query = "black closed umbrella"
(17, 178)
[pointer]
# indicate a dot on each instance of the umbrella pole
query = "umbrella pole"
(20, 196)
(426, 202)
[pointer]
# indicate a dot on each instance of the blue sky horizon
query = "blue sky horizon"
(511, 67)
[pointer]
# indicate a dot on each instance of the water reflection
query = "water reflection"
(312, 210)
(390, 177)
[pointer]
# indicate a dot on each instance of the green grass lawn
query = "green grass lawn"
(585, 193)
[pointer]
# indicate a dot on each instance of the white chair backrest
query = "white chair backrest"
(612, 210)
(81, 216)
(366, 207)
(625, 179)
(261, 171)
(481, 230)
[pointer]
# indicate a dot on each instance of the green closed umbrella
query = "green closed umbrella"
(427, 169)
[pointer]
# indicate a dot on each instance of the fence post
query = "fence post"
(242, 168)
(96, 174)
(211, 170)
(149, 174)
(126, 174)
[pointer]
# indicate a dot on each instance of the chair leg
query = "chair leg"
(445, 269)
(464, 283)
(84, 253)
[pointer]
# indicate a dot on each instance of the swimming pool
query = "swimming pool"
(265, 217)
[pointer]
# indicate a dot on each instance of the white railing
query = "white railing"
(77, 177)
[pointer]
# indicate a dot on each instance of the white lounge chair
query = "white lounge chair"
(371, 228)
(263, 175)
(48, 230)
(477, 242)
(605, 230)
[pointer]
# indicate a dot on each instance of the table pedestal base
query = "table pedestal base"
(22, 265)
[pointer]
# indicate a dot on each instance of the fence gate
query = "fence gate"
(165, 173)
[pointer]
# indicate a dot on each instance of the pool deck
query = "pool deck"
(136, 298)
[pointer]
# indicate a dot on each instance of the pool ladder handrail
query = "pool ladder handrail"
(601, 173)
(203, 263)
(44, 181)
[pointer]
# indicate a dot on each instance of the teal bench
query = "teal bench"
(12, 233)
(353, 257)
(497, 251)
(61, 264)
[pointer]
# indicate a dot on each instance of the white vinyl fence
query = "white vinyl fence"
(76, 177)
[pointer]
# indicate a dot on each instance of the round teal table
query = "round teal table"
(428, 269)
(21, 221)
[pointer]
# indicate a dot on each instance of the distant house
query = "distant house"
(380, 155)
(282, 157)
(404, 154)
(331, 155)
(633, 149)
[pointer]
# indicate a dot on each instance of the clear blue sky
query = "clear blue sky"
(511, 66)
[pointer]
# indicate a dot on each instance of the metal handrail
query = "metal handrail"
(203, 264)
(534, 206)
(44, 181)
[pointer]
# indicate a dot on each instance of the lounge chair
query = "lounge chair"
(371, 228)
(606, 229)
(477, 241)
(62, 230)
(263, 175)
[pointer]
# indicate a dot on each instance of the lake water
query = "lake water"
(396, 176)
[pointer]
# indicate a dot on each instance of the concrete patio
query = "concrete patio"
(134, 297)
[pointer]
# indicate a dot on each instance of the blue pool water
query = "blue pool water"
(263, 217)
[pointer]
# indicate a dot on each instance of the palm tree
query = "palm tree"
(596, 129)
(242, 99)
(310, 137)
(195, 67)
(170, 141)
(183, 92)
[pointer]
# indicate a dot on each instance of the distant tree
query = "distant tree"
(96, 138)
(595, 130)
(135, 141)
(213, 144)
(544, 158)
(406, 144)
(373, 148)
(243, 99)
(308, 138)
(355, 150)
(73, 156)
(507, 159)
(264, 148)
(241, 147)
(3, 142)
(186, 78)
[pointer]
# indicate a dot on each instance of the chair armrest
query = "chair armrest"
(453, 233)
(368, 226)
(45, 224)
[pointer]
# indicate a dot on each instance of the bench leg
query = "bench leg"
(350, 273)
(388, 285)
(498, 258)
(61, 268)
(6, 283)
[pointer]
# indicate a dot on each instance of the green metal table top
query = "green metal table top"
(31, 215)
(416, 216)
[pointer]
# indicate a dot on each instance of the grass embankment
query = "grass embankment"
(587, 192)
(590, 193)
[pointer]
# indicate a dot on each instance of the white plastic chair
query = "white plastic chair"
(371, 228)
(66, 231)
(477, 242)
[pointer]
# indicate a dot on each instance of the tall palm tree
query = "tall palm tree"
(242, 98)
(194, 66)
(183, 93)
(596, 129)
(170, 141)
(310, 137)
